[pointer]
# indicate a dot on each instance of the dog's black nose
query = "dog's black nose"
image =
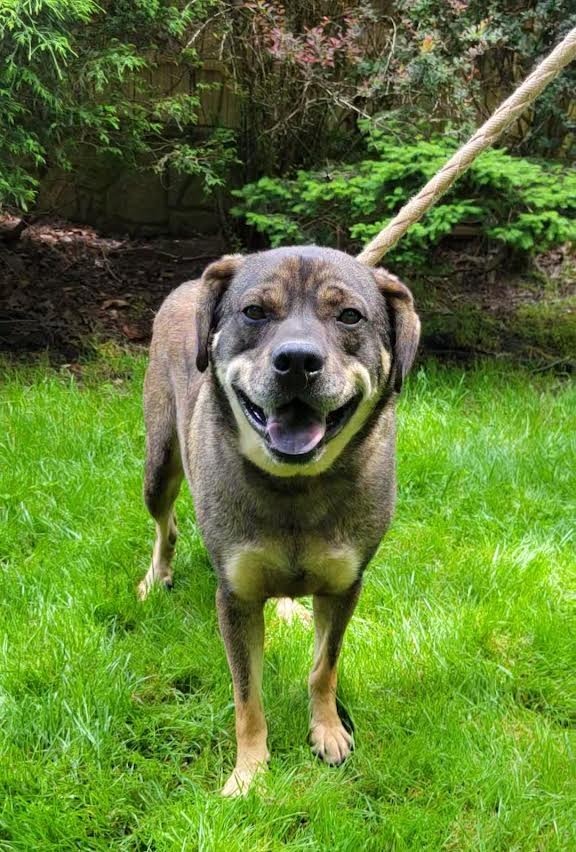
(297, 358)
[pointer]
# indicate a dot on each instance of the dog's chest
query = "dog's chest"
(274, 568)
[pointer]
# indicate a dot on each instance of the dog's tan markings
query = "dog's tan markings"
(271, 296)
(242, 628)
(274, 301)
(318, 275)
(333, 568)
(386, 362)
(359, 378)
(285, 275)
(262, 570)
(329, 298)
(332, 297)
(290, 269)
(251, 444)
(248, 567)
(307, 270)
(160, 571)
(328, 736)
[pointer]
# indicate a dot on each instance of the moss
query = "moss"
(466, 328)
(543, 329)
(548, 326)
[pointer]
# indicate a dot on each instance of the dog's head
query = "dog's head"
(304, 341)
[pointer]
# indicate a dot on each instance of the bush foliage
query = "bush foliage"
(73, 76)
(515, 201)
(309, 71)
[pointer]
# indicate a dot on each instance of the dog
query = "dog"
(271, 386)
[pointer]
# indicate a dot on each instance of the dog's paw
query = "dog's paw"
(332, 743)
(143, 589)
(289, 610)
(145, 586)
(241, 780)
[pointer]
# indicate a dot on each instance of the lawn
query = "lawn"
(458, 670)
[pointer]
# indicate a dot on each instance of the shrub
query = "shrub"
(73, 76)
(526, 205)
(308, 71)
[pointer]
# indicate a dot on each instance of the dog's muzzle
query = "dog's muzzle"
(296, 430)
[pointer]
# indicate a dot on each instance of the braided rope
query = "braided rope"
(506, 113)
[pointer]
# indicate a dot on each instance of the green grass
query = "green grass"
(458, 670)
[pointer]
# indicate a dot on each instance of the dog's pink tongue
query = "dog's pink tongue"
(295, 430)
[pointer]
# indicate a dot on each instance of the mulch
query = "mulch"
(64, 287)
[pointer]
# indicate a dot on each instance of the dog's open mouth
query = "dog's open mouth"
(296, 430)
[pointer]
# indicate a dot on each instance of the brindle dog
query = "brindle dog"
(271, 386)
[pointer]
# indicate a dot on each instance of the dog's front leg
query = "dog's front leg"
(242, 628)
(329, 738)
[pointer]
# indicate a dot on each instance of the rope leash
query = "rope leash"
(506, 113)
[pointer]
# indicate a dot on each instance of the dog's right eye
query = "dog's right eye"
(350, 316)
(254, 312)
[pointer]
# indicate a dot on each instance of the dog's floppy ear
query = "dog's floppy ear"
(405, 323)
(213, 283)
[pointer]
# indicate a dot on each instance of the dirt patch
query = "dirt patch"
(64, 287)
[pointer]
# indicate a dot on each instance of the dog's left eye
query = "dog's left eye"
(350, 316)
(254, 312)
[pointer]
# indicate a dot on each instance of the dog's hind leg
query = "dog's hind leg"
(162, 479)
(329, 738)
